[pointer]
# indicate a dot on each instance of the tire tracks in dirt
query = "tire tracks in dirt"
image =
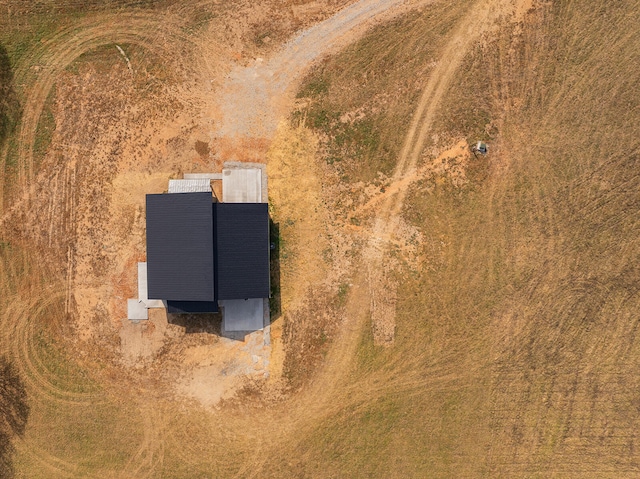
(388, 217)
(303, 411)
(56, 55)
(482, 18)
(54, 465)
(57, 52)
(330, 391)
(150, 453)
(23, 318)
(19, 341)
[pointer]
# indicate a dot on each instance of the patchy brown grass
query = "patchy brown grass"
(307, 333)
(516, 351)
(362, 99)
(516, 347)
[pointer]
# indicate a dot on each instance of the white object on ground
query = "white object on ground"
(190, 186)
(136, 310)
(208, 176)
(143, 291)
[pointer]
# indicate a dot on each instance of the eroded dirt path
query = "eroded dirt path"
(481, 19)
(250, 105)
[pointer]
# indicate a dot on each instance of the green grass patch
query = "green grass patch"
(343, 293)
(61, 368)
(20, 33)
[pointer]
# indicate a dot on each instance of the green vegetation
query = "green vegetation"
(275, 242)
(14, 412)
(343, 292)
(9, 105)
(62, 369)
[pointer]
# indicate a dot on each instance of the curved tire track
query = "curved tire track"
(329, 392)
(57, 52)
(20, 328)
(20, 342)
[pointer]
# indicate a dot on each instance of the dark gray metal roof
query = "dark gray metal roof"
(193, 307)
(180, 247)
(242, 250)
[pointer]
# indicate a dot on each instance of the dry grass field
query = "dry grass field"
(515, 352)
(443, 315)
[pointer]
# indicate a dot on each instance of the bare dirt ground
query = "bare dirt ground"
(118, 138)
(92, 203)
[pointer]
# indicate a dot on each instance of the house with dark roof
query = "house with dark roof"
(200, 251)
(206, 256)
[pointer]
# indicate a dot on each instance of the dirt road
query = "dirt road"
(255, 97)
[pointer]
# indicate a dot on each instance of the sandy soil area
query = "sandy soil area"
(121, 133)
(120, 136)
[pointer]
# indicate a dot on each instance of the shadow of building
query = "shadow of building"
(210, 323)
(275, 300)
